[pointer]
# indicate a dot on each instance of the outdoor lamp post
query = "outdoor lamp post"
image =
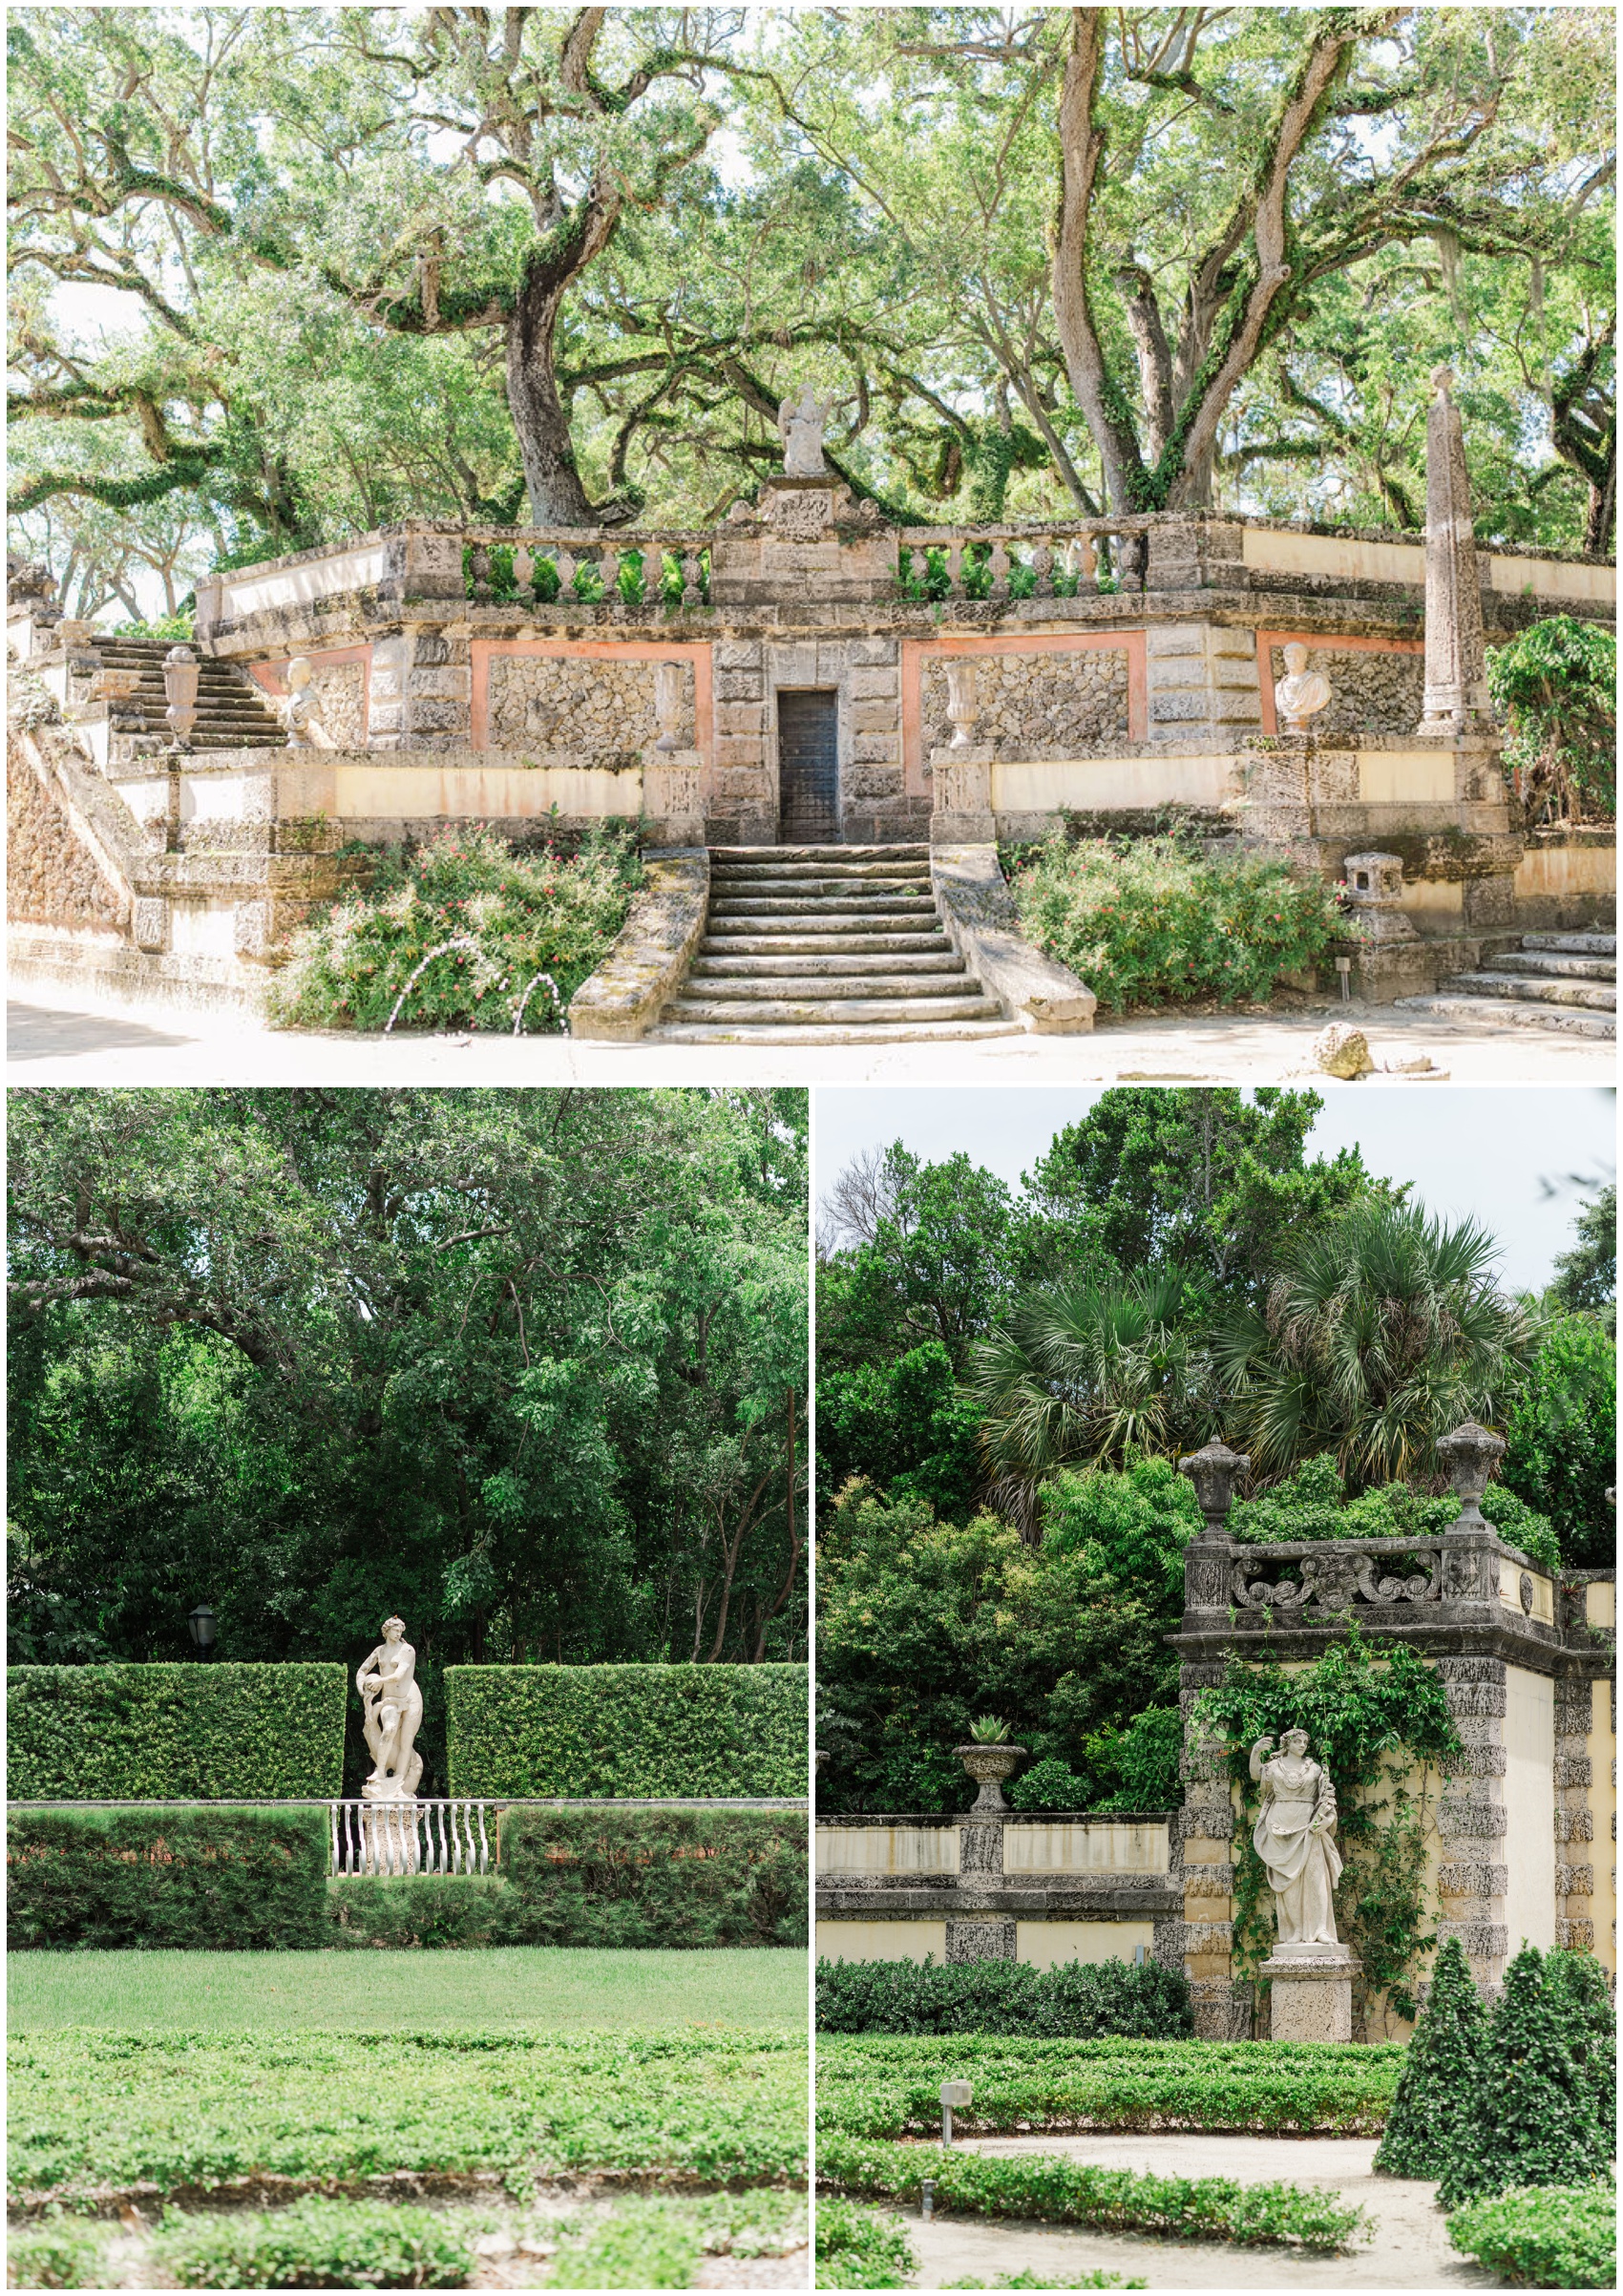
(202, 1629)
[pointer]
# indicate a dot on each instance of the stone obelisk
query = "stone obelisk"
(1455, 668)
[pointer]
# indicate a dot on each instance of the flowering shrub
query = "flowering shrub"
(509, 916)
(1154, 921)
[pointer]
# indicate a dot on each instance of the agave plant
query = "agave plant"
(1382, 1330)
(1087, 1370)
(988, 1731)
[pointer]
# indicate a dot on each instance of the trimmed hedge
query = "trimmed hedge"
(176, 1733)
(574, 1732)
(1079, 2000)
(1548, 2236)
(110, 1878)
(424, 1909)
(675, 1878)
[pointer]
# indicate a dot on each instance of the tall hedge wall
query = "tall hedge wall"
(694, 1877)
(222, 1879)
(194, 1733)
(576, 1731)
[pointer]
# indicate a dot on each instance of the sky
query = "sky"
(1514, 1155)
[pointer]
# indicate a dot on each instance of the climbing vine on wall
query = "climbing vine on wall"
(1376, 1711)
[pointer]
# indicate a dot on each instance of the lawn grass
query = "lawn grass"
(566, 1991)
(97, 2113)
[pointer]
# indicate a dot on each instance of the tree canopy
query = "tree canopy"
(528, 1367)
(461, 261)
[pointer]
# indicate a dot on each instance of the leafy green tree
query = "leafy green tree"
(911, 1252)
(1560, 1434)
(905, 1426)
(1439, 2071)
(1586, 1273)
(1380, 1331)
(1534, 2117)
(528, 1367)
(1203, 1180)
(1555, 686)
(924, 1626)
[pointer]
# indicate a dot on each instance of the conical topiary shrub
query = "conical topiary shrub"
(1533, 2117)
(1579, 1988)
(1439, 2075)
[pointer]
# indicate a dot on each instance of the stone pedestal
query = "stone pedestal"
(672, 797)
(1312, 1997)
(389, 1835)
(960, 782)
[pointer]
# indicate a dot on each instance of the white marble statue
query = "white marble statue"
(391, 1713)
(301, 709)
(1301, 693)
(1293, 1838)
(800, 426)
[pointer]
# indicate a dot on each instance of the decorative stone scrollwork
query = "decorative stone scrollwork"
(1334, 1579)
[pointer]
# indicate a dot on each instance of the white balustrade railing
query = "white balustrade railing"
(585, 565)
(1059, 560)
(423, 1836)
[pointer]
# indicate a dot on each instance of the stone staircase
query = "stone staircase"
(826, 944)
(1561, 983)
(232, 711)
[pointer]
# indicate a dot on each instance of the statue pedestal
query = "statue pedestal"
(389, 1834)
(1311, 1996)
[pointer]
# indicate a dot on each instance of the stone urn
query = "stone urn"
(1214, 1470)
(1469, 1457)
(989, 1765)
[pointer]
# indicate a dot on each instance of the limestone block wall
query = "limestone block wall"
(597, 711)
(1048, 703)
(50, 878)
(418, 691)
(341, 679)
(1377, 685)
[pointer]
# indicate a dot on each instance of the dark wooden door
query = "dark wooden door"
(809, 768)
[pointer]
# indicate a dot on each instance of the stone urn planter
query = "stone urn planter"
(989, 1766)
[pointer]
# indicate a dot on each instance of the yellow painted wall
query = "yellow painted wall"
(1093, 1848)
(1530, 1808)
(1406, 776)
(1603, 1809)
(1046, 1944)
(1556, 869)
(1510, 1575)
(887, 1849)
(881, 1940)
(1105, 784)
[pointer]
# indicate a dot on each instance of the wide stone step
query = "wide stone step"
(845, 910)
(813, 1012)
(844, 1031)
(807, 881)
(1550, 964)
(1573, 944)
(825, 944)
(841, 920)
(1553, 1020)
(821, 873)
(819, 852)
(724, 965)
(756, 988)
(1585, 996)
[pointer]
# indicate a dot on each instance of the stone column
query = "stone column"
(961, 783)
(1456, 662)
(1203, 1831)
(1473, 1876)
(1574, 1819)
(979, 1933)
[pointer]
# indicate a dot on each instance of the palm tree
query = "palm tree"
(1382, 1330)
(1087, 1369)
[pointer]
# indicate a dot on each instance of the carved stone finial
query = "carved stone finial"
(963, 705)
(1471, 1455)
(1214, 1470)
(668, 696)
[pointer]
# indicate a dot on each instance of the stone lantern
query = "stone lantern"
(1214, 1470)
(1375, 896)
(1471, 1455)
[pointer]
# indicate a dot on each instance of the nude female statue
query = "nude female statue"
(391, 1713)
(1292, 1837)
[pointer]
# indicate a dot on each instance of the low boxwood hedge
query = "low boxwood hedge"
(677, 1878)
(1079, 2000)
(1546, 2236)
(175, 1733)
(108, 1879)
(576, 1731)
